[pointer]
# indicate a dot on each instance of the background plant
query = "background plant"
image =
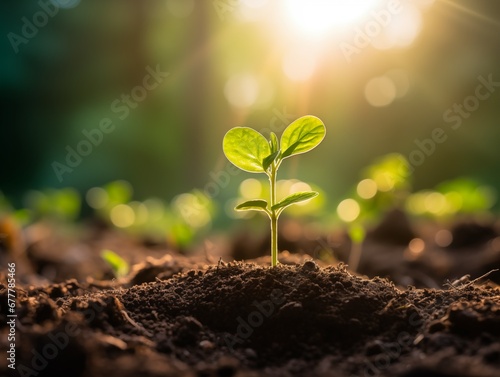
(384, 184)
(179, 222)
(119, 265)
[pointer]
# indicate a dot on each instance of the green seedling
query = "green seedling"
(351, 212)
(467, 196)
(462, 196)
(55, 204)
(250, 151)
(385, 183)
(357, 234)
(119, 266)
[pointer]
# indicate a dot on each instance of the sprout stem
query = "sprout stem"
(355, 255)
(274, 241)
(273, 217)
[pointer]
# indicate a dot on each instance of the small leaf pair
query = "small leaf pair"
(261, 205)
(250, 151)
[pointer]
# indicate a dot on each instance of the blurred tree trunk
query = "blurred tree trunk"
(137, 42)
(195, 100)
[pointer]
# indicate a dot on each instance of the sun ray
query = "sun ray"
(471, 12)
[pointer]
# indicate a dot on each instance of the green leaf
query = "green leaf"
(295, 198)
(252, 205)
(357, 233)
(246, 149)
(270, 159)
(302, 135)
(273, 143)
(119, 266)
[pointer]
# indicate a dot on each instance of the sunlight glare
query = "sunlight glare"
(122, 216)
(348, 210)
(402, 31)
(252, 10)
(299, 65)
(97, 197)
(250, 188)
(380, 91)
(242, 90)
(367, 188)
(317, 17)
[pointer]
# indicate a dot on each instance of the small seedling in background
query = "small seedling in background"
(351, 212)
(250, 151)
(179, 223)
(462, 196)
(59, 205)
(119, 266)
(384, 184)
(357, 234)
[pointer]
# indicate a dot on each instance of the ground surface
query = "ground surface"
(176, 317)
(181, 313)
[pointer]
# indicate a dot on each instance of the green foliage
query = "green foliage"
(255, 188)
(298, 197)
(62, 204)
(248, 150)
(191, 212)
(178, 222)
(384, 184)
(256, 205)
(119, 266)
(469, 195)
(390, 172)
(357, 233)
(118, 192)
(274, 143)
(302, 135)
(459, 196)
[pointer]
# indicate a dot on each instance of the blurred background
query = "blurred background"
(382, 75)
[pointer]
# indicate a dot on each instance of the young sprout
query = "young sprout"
(350, 212)
(119, 266)
(250, 151)
(357, 234)
(385, 182)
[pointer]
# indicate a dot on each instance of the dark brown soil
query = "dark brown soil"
(245, 319)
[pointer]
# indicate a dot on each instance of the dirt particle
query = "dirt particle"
(46, 311)
(491, 355)
(57, 291)
(206, 345)
(228, 366)
(436, 326)
(250, 353)
(310, 266)
(186, 331)
(374, 348)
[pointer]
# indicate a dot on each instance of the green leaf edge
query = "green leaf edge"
(119, 265)
(290, 150)
(295, 198)
(270, 159)
(273, 142)
(252, 205)
(235, 163)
